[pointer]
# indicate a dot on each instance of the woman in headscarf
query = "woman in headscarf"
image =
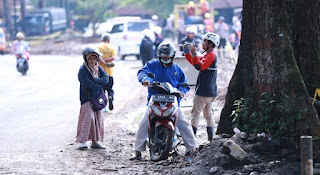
(92, 80)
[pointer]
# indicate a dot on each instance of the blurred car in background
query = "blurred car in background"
(126, 36)
(2, 41)
(45, 21)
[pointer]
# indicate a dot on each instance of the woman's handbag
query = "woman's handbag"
(99, 102)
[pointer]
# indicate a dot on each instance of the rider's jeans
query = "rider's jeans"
(202, 104)
(183, 125)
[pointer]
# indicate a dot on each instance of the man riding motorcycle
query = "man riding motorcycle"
(20, 46)
(166, 71)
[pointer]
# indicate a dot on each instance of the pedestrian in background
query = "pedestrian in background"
(191, 37)
(92, 79)
(146, 46)
(204, 7)
(155, 20)
(191, 8)
(222, 30)
(208, 23)
(168, 28)
(106, 62)
(158, 39)
(181, 26)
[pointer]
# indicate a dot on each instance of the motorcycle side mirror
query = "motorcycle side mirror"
(184, 85)
(151, 75)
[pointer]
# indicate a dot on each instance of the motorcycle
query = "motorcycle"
(162, 119)
(22, 64)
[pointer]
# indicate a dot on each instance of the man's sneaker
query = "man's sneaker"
(137, 156)
(83, 146)
(96, 146)
(110, 102)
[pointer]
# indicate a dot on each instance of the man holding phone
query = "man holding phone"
(206, 86)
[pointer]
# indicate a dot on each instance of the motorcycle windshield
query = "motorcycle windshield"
(170, 89)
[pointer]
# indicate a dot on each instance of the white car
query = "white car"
(126, 36)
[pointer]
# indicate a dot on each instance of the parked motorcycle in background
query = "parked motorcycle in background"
(162, 119)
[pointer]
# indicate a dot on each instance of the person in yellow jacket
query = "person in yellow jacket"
(106, 62)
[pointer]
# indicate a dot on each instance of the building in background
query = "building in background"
(226, 8)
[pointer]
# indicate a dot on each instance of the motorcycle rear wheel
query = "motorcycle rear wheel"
(160, 148)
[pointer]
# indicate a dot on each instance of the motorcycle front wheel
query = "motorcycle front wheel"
(161, 145)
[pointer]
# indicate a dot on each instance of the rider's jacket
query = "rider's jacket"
(20, 47)
(172, 74)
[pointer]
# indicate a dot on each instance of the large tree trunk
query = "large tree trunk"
(307, 42)
(274, 58)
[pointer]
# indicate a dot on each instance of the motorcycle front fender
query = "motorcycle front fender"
(166, 123)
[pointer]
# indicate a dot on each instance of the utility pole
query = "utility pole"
(66, 6)
(23, 12)
(15, 16)
(42, 4)
(7, 13)
(22, 8)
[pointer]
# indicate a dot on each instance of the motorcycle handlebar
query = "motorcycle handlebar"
(159, 85)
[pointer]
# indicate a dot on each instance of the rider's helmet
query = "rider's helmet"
(105, 37)
(91, 49)
(149, 34)
(191, 4)
(20, 36)
(191, 29)
(166, 48)
(222, 18)
(157, 30)
(207, 15)
(213, 38)
(154, 17)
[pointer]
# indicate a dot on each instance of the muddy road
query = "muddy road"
(38, 133)
(39, 121)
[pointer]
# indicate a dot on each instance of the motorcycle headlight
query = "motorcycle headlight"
(156, 110)
(168, 111)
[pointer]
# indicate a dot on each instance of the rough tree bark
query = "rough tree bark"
(279, 54)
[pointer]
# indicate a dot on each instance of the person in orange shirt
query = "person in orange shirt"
(204, 6)
(208, 23)
(106, 62)
(191, 8)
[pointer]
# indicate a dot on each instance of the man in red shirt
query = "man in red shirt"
(206, 86)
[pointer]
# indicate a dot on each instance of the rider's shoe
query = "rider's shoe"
(137, 156)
